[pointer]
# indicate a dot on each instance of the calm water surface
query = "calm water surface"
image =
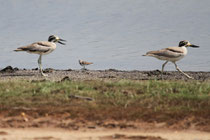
(110, 33)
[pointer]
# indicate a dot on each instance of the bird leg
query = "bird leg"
(40, 65)
(163, 69)
(182, 71)
(83, 68)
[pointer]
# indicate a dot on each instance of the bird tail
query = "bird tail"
(20, 49)
(150, 53)
(17, 50)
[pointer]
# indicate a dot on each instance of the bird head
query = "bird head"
(187, 44)
(54, 38)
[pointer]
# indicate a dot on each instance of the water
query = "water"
(110, 33)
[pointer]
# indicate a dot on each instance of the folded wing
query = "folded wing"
(37, 47)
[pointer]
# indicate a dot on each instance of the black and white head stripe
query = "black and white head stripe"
(52, 38)
(183, 43)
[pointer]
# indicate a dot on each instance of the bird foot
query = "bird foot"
(84, 69)
(190, 77)
(45, 75)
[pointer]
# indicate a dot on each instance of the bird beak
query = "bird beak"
(59, 41)
(193, 46)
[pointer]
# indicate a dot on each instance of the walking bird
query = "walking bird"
(84, 63)
(172, 54)
(42, 48)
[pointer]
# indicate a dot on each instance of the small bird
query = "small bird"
(84, 63)
(42, 48)
(172, 54)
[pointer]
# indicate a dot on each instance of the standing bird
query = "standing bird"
(42, 48)
(172, 54)
(84, 63)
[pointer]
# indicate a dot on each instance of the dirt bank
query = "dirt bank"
(56, 123)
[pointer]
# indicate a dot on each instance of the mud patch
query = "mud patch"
(46, 138)
(125, 137)
(3, 133)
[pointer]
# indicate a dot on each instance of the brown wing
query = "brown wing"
(87, 63)
(175, 49)
(167, 52)
(42, 46)
(84, 62)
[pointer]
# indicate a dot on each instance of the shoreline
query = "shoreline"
(10, 73)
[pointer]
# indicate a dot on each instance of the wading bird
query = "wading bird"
(172, 54)
(42, 48)
(84, 63)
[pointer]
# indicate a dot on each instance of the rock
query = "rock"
(9, 69)
(114, 70)
(48, 70)
(155, 72)
(66, 78)
(69, 70)
(35, 69)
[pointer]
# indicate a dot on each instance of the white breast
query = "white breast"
(51, 48)
(181, 56)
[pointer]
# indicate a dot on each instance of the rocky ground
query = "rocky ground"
(57, 75)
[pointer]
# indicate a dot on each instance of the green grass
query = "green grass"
(124, 99)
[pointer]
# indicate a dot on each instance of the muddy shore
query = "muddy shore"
(10, 73)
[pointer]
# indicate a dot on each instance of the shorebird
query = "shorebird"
(84, 63)
(172, 54)
(42, 48)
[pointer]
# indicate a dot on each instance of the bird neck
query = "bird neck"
(184, 49)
